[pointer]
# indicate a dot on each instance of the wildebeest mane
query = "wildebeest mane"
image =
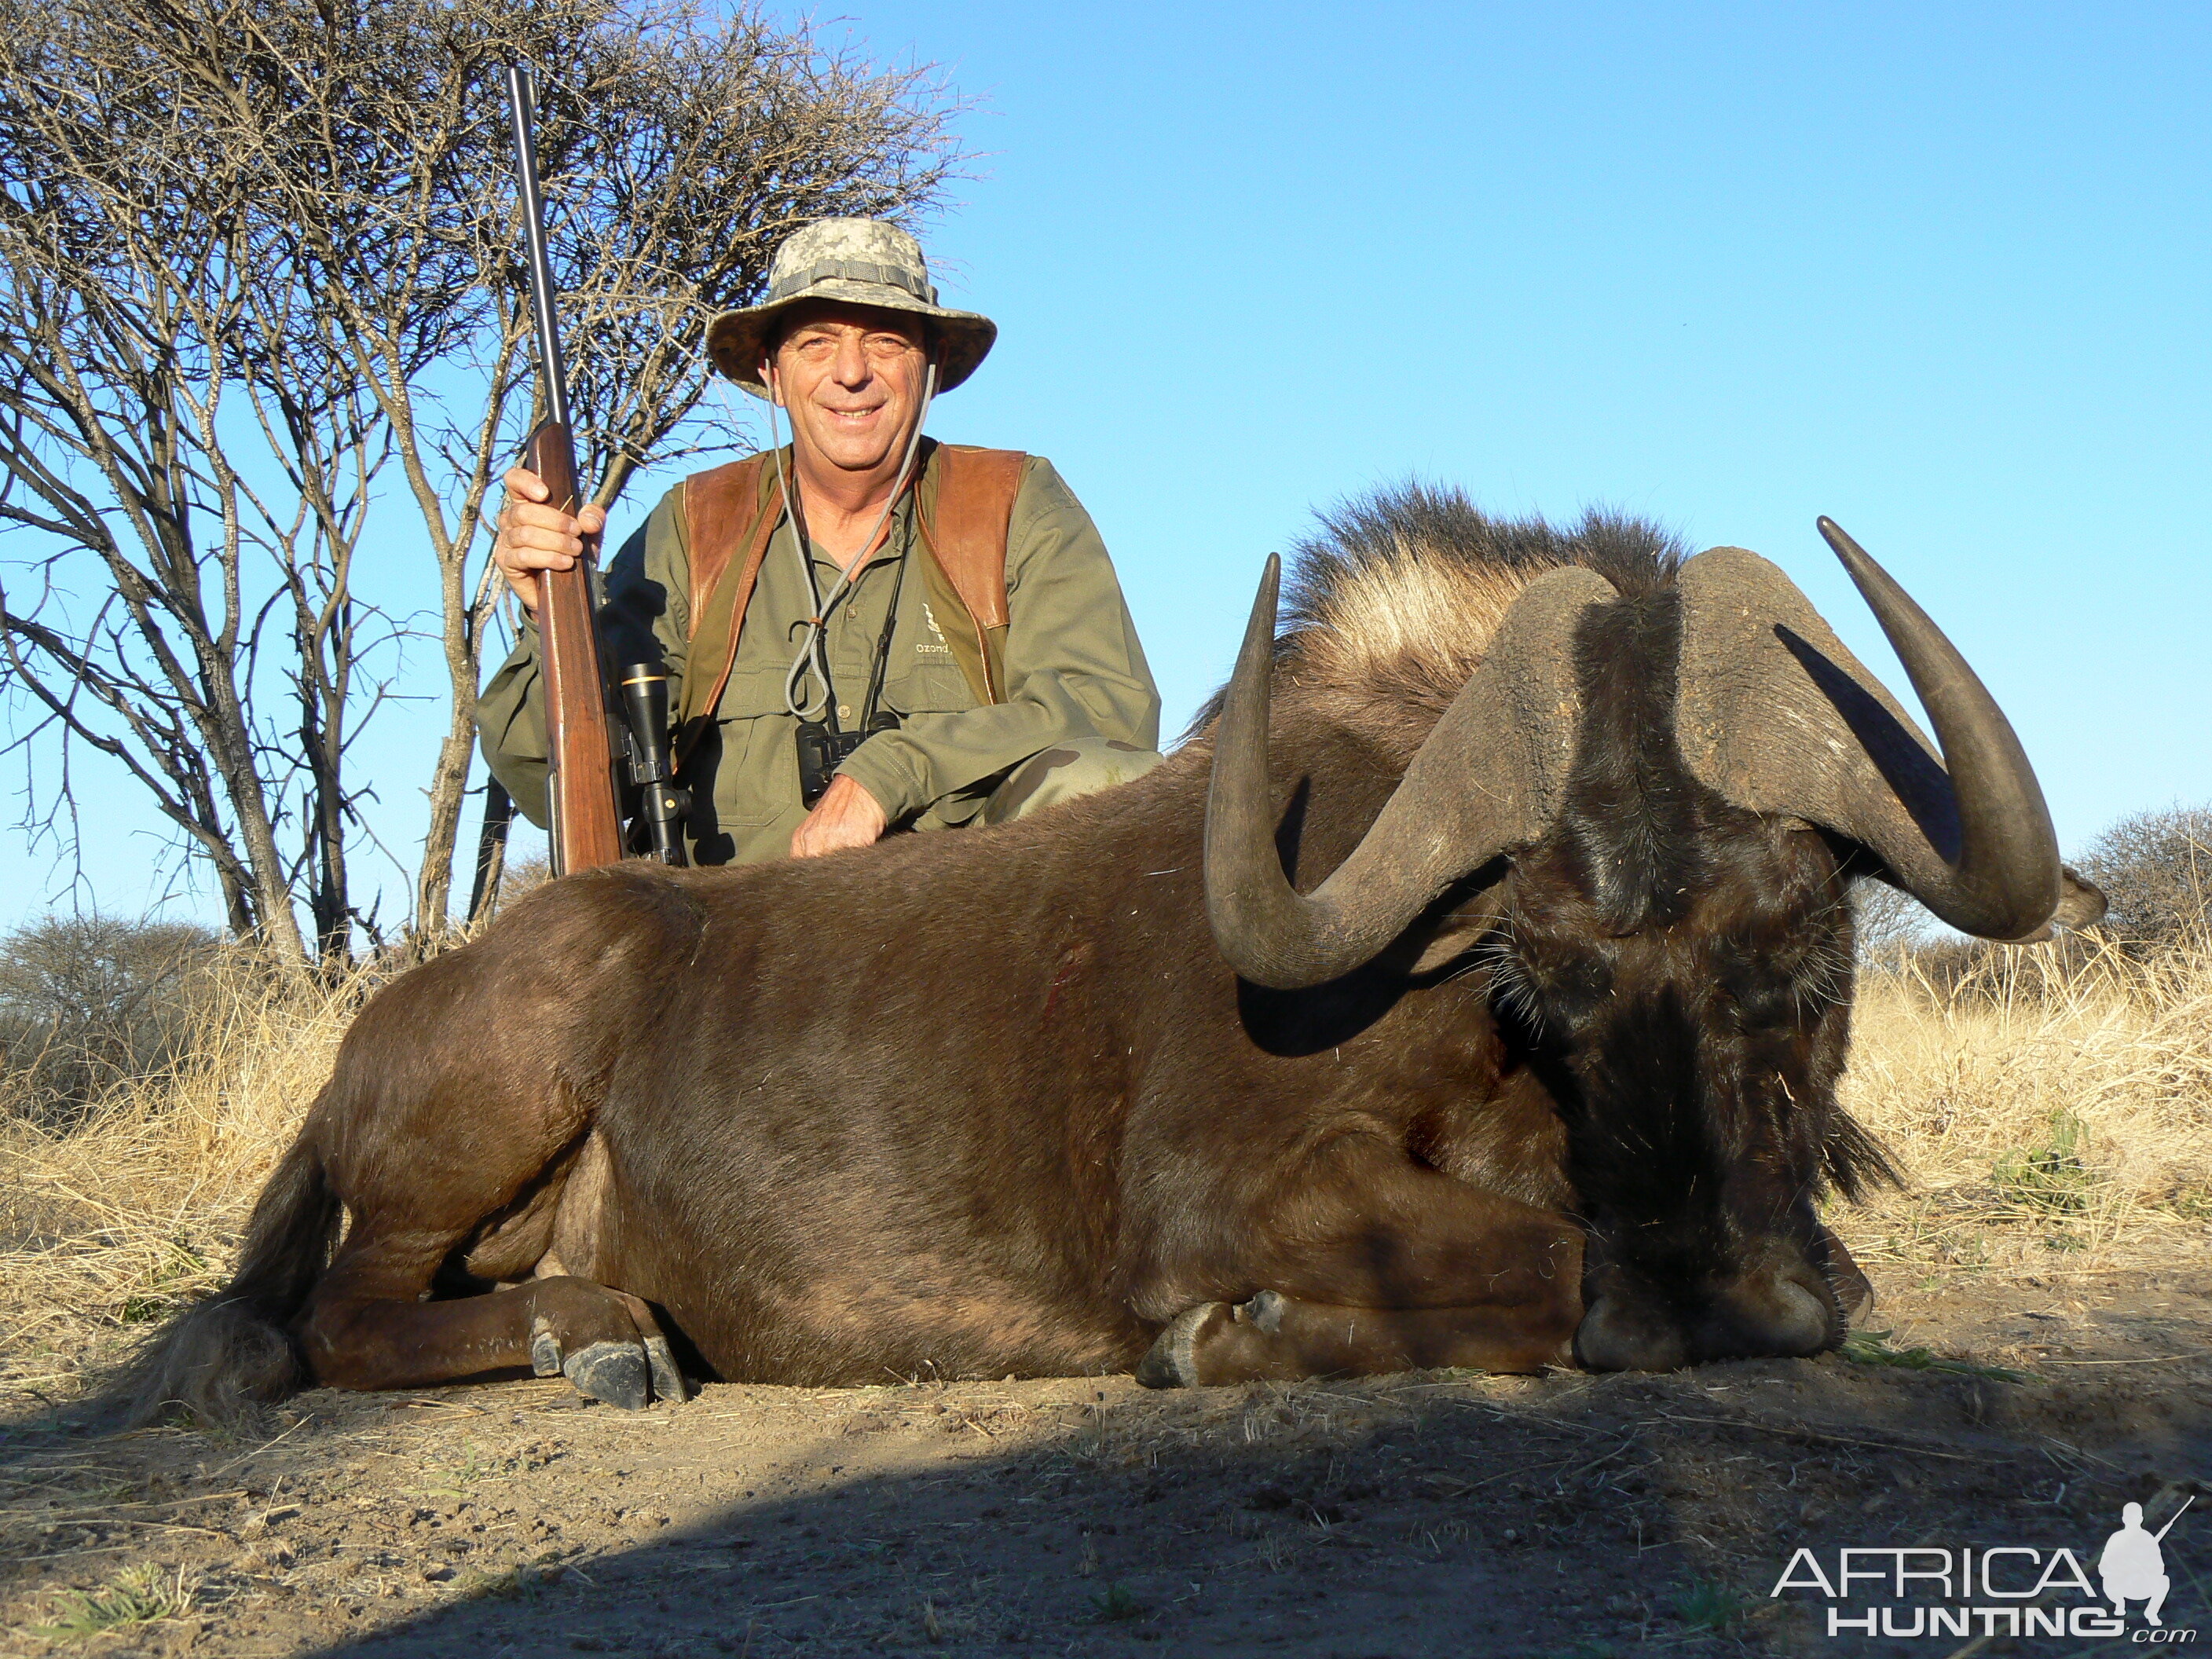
(1390, 603)
(1410, 582)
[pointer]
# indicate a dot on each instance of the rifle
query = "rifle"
(2159, 1536)
(581, 794)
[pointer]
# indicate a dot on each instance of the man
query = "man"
(2132, 1565)
(942, 627)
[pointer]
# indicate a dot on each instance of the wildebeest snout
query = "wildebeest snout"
(1775, 1311)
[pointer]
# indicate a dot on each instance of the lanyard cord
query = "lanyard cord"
(820, 667)
(883, 645)
(813, 654)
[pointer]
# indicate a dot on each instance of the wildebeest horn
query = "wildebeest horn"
(1487, 778)
(1775, 714)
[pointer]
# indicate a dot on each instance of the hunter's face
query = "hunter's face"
(851, 380)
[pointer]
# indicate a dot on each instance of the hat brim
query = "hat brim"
(737, 341)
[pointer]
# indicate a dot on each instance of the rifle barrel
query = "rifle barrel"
(2160, 1536)
(522, 111)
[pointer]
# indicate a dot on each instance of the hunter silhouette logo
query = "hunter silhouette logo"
(2132, 1565)
(1989, 1591)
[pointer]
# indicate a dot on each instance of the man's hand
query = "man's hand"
(533, 536)
(845, 816)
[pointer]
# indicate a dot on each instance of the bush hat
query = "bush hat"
(854, 262)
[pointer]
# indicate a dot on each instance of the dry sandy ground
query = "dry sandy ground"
(1427, 1514)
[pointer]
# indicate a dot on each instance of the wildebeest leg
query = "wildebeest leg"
(366, 1328)
(1371, 1262)
(457, 1125)
(1270, 1338)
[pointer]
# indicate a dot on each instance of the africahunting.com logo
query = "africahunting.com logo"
(1997, 1589)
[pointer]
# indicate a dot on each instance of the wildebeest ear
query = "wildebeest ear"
(2081, 901)
(2080, 904)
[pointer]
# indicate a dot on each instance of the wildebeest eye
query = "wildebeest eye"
(1784, 985)
(1572, 981)
(1759, 989)
(1761, 1000)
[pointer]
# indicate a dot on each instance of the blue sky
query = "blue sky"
(1937, 272)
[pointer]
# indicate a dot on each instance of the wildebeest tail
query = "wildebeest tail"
(223, 1355)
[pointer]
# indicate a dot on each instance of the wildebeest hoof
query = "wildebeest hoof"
(616, 1372)
(1263, 1312)
(667, 1376)
(1172, 1360)
(545, 1348)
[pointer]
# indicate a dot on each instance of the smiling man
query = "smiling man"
(864, 630)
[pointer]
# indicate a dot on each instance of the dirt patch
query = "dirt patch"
(2054, 1113)
(1426, 1514)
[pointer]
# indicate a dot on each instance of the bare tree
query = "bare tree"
(250, 252)
(1886, 921)
(2156, 869)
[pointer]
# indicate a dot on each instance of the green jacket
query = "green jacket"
(1071, 667)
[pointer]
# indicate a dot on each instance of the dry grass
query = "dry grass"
(2041, 1102)
(2048, 1109)
(104, 1229)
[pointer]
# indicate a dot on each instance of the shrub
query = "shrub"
(2156, 869)
(2051, 1178)
(88, 1003)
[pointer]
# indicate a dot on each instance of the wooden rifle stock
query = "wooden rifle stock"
(579, 784)
(580, 791)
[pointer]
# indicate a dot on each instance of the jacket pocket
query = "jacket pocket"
(757, 780)
(928, 687)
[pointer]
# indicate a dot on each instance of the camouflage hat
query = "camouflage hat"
(855, 261)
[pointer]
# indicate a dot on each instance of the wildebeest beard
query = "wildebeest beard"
(1679, 972)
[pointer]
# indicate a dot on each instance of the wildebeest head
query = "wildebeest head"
(1647, 802)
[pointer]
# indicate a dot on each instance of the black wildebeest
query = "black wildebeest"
(1541, 1067)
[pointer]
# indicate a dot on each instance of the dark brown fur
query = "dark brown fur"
(990, 1102)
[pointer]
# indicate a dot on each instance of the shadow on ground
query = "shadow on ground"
(1430, 1514)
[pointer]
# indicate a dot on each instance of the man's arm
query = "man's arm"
(641, 620)
(1073, 667)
